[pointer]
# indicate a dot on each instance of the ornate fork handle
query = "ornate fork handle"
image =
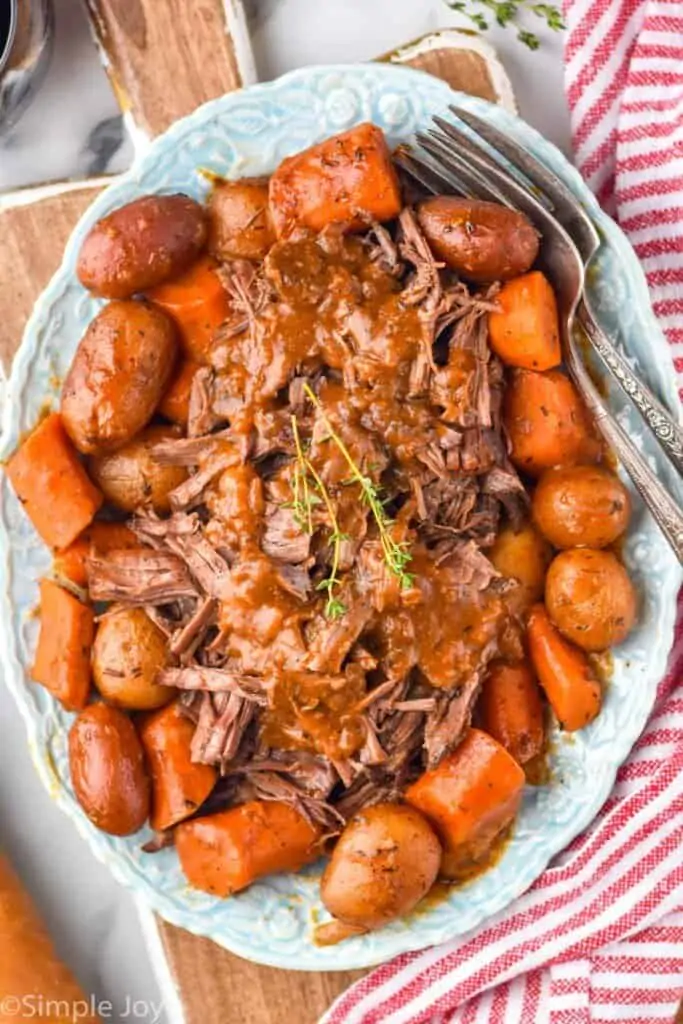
(666, 431)
(666, 511)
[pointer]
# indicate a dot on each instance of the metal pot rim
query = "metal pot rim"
(5, 54)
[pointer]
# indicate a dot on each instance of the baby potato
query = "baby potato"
(522, 554)
(131, 478)
(141, 244)
(128, 652)
(108, 770)
(581, 506)
(118, 375)
(386, 860)
(482, 241)
(590, 598)
(239, 220)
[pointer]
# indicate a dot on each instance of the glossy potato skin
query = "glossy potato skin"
(128, 652)
(522, 554)
(108, 770)
(386, 860)
(590, 598)
(141, 244)
(118, 375)
(581, 506)
(482, 241)
(131, 478)
(240, 226)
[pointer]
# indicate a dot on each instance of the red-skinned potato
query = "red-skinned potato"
(239, 218)
(118, 375)
(108, 770)
(590, 598)
(128, 652)
(581, 506)
(523, 554)
(482, 241)
(386, 860)
(132, 478)
(141, 244)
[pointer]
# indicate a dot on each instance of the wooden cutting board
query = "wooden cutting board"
(164, 58)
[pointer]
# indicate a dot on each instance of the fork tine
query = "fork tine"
(457, 174)
(481, 185)
(484, 159)
(425, 173)
(567, 208)
(537, 173)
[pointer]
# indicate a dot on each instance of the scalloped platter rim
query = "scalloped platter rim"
(249, 133)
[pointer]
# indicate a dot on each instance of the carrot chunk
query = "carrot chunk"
(62, 663)
(52, 484)
(470, 797)
(348, 178)
(226, 852)
(511, 710)
(179, 785)
(547, 422)
(564, 672)
(198, 303)
(526, 331)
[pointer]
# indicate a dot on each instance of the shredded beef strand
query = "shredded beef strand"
(189, 451)
(139, 577)
(159, 841)
(195, 628)
(190, 492)
(449, 719)
(214, 680)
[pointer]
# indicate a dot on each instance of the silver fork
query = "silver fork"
(472, 171)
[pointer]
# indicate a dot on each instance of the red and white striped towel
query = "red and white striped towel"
(599, 938)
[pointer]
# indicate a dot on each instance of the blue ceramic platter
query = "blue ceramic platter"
(248, 133)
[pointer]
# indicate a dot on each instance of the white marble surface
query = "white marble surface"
(73, 129)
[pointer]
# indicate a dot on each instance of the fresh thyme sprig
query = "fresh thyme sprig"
(506, 12)
(334, 608)
(396, 554)
(302, 499)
